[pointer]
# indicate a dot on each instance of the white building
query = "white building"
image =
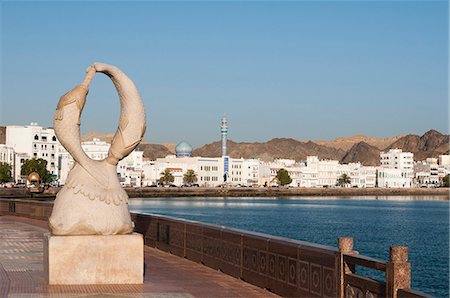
(368, 177)
(209, 170)
(250, 172)
(444, 160)
(310, 172)
(129, 169)
(328, 172)
(444, 166)
(430, 172)
(7, 155)
(33, 141)
(397, 169)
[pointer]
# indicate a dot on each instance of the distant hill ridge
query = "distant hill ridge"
(357, 148)
(345, 143)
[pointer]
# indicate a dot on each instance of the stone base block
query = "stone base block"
(81, 260)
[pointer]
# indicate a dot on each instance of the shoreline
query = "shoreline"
(153, 192)
(283, 192)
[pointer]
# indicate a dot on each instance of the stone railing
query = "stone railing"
(283, 266)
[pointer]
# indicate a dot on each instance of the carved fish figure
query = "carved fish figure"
(92, 202)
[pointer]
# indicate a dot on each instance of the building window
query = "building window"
(36, 137)
(54, 139)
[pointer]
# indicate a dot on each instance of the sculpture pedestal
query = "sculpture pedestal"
(80, 260)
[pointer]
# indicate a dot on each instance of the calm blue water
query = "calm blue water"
(375, 223)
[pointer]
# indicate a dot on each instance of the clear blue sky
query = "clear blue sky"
(300, 69)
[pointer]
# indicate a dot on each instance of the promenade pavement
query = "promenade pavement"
(22, 272)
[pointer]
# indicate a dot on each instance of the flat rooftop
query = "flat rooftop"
(22, 271)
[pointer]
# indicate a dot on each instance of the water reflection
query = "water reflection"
(375, 223)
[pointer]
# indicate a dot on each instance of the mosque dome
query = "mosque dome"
(183, 149)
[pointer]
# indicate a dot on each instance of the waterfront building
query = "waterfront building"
(7, 155)
(393, 178)
(264, 173)
(397, 159)
(310, 170)
(289, 165)
(426, 173)
(250, 172)
(368, 177)
(33, 141)
(209, 170)
(235, 171)
(444, 166)
(444, 160)
(396, 170)
(328, 173)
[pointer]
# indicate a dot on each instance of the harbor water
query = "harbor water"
(375, 223)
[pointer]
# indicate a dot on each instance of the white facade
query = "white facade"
(250, 172)
(7, 155)
(310, 172)
(209, 170)
(397, 159)
(319, 173)
(444, 160)
(328, 172)
(33, 141)
(129, 169)
(368, 177)
(397, 169)
(393, 178)
(428, 173)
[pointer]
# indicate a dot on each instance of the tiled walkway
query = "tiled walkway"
(21, 271)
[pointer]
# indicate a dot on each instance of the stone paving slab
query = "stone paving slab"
(22, 272)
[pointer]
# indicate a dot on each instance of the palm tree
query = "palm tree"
(166, 177)
(343, 180)
(190, 177)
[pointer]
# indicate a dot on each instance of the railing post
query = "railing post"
(398, 271)
(345, 245)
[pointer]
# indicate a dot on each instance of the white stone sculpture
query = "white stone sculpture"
(92, 202)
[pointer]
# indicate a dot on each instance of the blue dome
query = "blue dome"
(183, 149)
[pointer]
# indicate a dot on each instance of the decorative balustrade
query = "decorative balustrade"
(284, 266)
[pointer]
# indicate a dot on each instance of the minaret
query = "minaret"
(224, 132)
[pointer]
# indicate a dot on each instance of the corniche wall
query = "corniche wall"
(284, 266)
(159, 192)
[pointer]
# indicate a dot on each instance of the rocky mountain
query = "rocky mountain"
(366, 154)
(352, 149)
(346, 143)
(275, 148)
(154, 151)
(431, 144)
